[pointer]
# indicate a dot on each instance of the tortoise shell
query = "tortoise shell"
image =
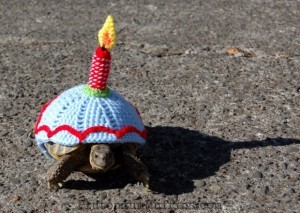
(82, 152)
(58, 150)
(74, 118)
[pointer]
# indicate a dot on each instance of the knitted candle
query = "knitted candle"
(100, 67)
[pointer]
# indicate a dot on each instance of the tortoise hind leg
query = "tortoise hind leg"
(60, 171)
(135, 168)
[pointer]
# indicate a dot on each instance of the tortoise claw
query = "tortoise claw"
(145, 181)
(54, 186)
(147, 188)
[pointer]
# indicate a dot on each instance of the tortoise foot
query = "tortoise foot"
(135, 168)
(146, 180)
(60, 171)
(54, 186)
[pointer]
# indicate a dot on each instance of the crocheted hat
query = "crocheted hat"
(91, 113)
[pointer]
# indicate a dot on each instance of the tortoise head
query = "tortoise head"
(101, 157)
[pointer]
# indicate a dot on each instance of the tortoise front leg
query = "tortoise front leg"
(135, 168)
(60, 171)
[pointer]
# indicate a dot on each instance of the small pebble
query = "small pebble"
(3, 127)
(284, 166)
(16, 181)
(257, 174)
(32, 152)
(266, 190)
(15, 197)
(28, 144)
(103, 196)
(105, 206)
(214, 188)
(64, 190)
(3, 133)
(128, 186)
(71, 196)
(20, 132)
(262, 211)
(292, 190)
(199, 183)
(293, 149)
(30, 135)
(136, 197)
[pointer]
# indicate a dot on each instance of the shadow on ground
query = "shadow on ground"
(175, 157)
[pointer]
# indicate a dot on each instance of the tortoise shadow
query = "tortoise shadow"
(116, 179)
(175, 157)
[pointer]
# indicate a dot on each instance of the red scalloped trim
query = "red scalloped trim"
(82, 135)
(41, 114)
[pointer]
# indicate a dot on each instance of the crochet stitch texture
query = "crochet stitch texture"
(75, 109)
(73, 118)
(99, 69)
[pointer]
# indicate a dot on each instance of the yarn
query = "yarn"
(74, 118)
(96, 92)
(99, 69)
(107, 35)
(91, 113)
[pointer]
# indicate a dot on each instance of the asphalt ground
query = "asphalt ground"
(217, 85)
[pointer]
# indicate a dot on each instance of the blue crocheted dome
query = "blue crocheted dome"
(74, 117)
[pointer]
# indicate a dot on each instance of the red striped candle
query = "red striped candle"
(100, 68)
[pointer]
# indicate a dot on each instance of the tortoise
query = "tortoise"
(90, 127)
(94, 158)
(98, 144)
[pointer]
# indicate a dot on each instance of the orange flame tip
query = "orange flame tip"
(107, 35)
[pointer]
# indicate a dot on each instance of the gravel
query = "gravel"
(257, 174)
(199, 183)
(224, 129)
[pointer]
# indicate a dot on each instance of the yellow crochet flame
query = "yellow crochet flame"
(107, 35)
